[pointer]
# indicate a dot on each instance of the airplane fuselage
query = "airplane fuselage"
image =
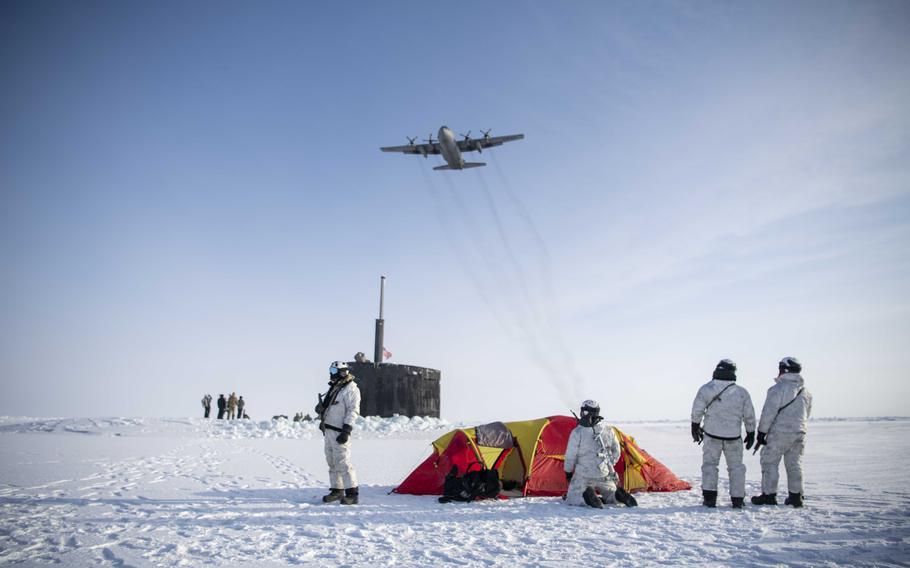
(452, 150)
(449, 148)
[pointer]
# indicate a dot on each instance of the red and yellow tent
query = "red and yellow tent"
(529, 457)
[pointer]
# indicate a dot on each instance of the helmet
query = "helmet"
(725, 370)
(338, 369)
(790, 365)
(590, 413)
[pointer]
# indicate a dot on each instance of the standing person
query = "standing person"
(782, 431)
(222, 406)
(725, 408)
(232, 406)
(591, 452)
(207, 405)
(240, 405)
(337, 410)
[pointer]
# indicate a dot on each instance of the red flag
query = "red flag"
(386, 354)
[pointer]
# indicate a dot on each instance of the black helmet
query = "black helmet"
(725, 370)
(789, 365)
(590, 413)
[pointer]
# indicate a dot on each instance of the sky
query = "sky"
(193, 200)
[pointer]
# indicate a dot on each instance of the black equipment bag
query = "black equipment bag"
(476, 484)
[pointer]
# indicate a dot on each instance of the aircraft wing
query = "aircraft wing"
(487, 142)
(419, 149)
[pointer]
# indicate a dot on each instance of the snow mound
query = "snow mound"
(364, 427)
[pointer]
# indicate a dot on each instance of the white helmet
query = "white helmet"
(338, 367)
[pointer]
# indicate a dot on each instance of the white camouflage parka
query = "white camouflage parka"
(793, 418)
(346, 407)
(725, 416)
(592, 451)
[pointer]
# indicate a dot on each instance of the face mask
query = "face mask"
(589, 417)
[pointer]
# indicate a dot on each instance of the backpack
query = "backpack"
(476, 484)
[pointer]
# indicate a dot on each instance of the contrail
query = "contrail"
(522, 210)
(507, 247)
(529, 321)
(544, 265)
(460, 256)
(541, 319)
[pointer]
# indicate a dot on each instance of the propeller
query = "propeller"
(411, 140)
(431, 141)
(466, 136)
(486, 133)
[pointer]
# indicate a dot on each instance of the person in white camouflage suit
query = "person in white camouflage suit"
(782, 431)
(591, 452)
(337, 410)
(725, 408)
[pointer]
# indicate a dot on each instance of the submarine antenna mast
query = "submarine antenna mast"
(379, 344)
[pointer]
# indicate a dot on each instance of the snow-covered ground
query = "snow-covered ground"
(191, 492)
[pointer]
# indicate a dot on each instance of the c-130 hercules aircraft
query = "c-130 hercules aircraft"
(451, 149)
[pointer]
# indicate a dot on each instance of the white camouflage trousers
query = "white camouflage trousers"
(732, 450)
(789, 446)
(338, 456)
(606, 486)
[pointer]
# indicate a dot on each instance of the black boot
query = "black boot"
(795, 499)
(591, 498)
(350, 496)
(710, 498)
(765, 499)
(737, 502)
(625, 497)
(334, 495)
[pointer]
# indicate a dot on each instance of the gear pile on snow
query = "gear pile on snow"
(528, 456)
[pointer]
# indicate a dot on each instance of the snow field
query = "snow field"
(188, 492)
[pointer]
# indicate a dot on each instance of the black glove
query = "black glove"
(697, 436)
(750, 439)
(569, 476)
(760, 441)
(345, 434)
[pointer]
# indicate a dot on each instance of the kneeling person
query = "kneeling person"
(590, 454)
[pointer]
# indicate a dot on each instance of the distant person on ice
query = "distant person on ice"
(222, 406)
(207, 405)
(337, 410)
(782, 431)
(590, 454)
(725, 407)
(240, 405)
(232, 406)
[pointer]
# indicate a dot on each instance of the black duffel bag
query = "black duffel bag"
(476, 484)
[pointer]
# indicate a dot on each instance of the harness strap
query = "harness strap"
(717, 397)
(330, 400)
(799, 392)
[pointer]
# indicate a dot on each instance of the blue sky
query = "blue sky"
(192, 200)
